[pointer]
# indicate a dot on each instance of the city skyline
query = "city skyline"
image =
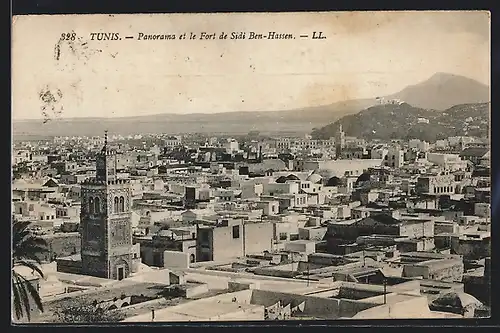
(217, 77)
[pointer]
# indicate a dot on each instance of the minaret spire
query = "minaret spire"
(105, 147)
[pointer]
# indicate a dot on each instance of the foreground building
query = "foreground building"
(106, 231)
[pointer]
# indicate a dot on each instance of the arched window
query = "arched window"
(122, 204)
(116, 205)
(97, 206)
(91, 205)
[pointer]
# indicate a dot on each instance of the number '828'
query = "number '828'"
(68, 36)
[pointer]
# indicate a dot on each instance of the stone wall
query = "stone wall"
(413, 308)
(325, 308)
(69, 266)
(474, 249)
(357, 293)
(175, 259)
(94, 266)
(479, 287)
(196, 290)
(61, 245)
(258, 237)
(417, 229)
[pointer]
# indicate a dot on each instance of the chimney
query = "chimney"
(260, 153)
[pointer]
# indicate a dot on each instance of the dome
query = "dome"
(334, 181)
(314, 178)
(364, 177)
(281, 180)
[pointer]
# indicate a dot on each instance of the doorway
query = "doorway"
(121, 273)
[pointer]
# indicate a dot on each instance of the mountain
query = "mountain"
(299, 121)
(442, 91)
(439, 92)
(404, 121)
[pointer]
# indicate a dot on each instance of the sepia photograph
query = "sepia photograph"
(250, 167)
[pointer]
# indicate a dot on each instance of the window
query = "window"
(283, 236)
(91, 205)
(97, 205)
(236, 231)
(116, 205)
(204, 236)
(122, 204)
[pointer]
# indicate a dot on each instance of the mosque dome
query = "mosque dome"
(281, 180)
(292, 177)
(334, 181)
(364, 177)
(314, 178)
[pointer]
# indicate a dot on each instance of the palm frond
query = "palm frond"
(33, 293)
(17, 298)
(19, 230)
(28, 239)
(24, 295)
(31, 266)
(28, 254)
(25, 247)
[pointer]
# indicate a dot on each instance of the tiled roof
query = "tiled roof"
(474, 152)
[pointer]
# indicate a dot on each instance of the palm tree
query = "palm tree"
(25, 247)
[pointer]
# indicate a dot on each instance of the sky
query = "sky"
(365, 54)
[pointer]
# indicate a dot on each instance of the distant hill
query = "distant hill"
(441, 91)
(392, 121)
(300, 121)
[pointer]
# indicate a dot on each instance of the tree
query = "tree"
(25, 247)
(87, 313)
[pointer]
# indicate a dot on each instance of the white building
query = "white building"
(451, 162)
(231, 146)
(394, 158)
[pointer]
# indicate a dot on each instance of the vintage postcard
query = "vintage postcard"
(251, 167)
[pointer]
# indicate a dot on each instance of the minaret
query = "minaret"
(105, 219)
(339, 141)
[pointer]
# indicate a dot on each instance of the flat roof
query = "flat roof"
(300, 241)
(195, 310)
(206, 310)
